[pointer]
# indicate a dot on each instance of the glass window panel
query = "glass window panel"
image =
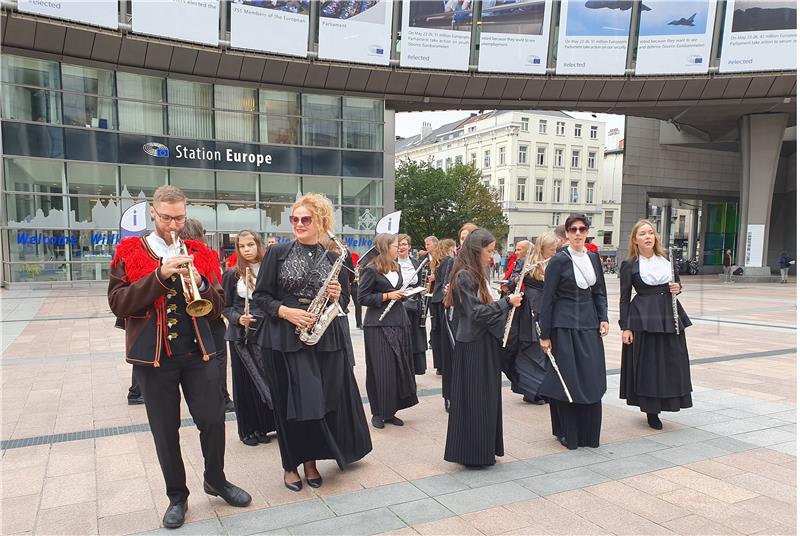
(329, 186)
(235, 126)
(237, 185)
(87, 80)
(40, 176)
(141, 117)
(363, 135)
(35, 210)
(139, 183)
(91, 179)
(275, 218)
(358, 219)
(280, 188)
(203, 211)
(30, 72)
(189, 93)
(39, 272)
(235, 98)
(139, 87)
(95, 270)
(279, 102)
(362, 192)
(233, 216)
(195, 184)
(322, 106)
(96, 212)
(38, 245)
(362, 109)
(283, 130)
(29, 104)
(320, 133)
(190, 122)
(88, 111)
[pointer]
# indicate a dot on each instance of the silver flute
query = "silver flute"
(403, 288)
(525, 269)
(674, 296)
(555, 366)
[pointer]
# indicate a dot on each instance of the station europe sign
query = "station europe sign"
(183, 152)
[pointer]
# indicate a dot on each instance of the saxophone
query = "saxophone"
(321, 307)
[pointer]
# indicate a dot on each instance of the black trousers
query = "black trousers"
(134, 391)
(356, 305)
(199, 381)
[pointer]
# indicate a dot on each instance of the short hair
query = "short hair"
(168, 194)
(572, 218)
(403, 236)
(432, 239)
(561, 232)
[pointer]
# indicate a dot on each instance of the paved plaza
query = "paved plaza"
(77, 459)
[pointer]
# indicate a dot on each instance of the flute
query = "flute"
(403, 288)
(247, 291)
(555, 366)
(510, 318)
(674, 296)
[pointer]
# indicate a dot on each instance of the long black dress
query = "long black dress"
(442, 337)
(419, 338)
(655, 368)
(530, 362)
(391, 385)
(475, 421)
(318, 408)
(570, 317)
(253, 415)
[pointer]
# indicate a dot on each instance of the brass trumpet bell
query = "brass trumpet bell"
(199, 307)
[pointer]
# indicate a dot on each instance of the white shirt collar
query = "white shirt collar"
(655, 271)
(582, 267)
(159, 246)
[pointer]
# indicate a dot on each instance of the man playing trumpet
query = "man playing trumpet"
(171, 348)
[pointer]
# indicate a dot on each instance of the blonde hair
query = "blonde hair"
(545, 240)
(168, 194)
(383, 263)
(405, 237)
(321, 210)
(633, 249)
(469, 226)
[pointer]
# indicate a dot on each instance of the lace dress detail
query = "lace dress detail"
(304, 270)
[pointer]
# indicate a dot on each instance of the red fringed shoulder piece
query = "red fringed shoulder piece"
(137, 259)
(231, 261)
(205, 260)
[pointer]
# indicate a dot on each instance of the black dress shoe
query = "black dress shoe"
(447, 405)
(535, 400)
(250, 441)
(654, 421)
(135, 400)
(262, 438)
(377, 422)
(229, 406)
(233, 495)
(395, 421)
(293, 486)
(175, 515)
(314, 482)
(563, 441)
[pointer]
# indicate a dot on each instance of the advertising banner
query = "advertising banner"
(436, 35)
(514, 36)
(675, 36)
(277, 26)
(196, 21)
(759, 35)
(103, 13)
(593, 37)
(360, 32)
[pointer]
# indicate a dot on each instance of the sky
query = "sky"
(409, 123)
(662, 12)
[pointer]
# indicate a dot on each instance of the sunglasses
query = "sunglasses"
(576, 229)
(305, 220)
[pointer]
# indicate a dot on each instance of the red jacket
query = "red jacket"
(512, 260)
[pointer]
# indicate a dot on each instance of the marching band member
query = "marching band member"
(254, 417)
(171, 349)
(655, 360)
(440, 330)
(413, 305)
(391, 385)
(317, 406)
(475, 422)
(573, 320)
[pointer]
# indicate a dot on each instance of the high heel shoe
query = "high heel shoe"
(654, 422)
(294, 486)
(314, 482)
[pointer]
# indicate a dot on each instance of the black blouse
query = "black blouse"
(234, 307)
(371, 286)
(474, 319)
(651, 307)
(442, 275)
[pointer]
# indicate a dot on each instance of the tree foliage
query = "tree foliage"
(438, 202)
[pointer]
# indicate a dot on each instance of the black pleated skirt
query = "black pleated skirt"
(252, 415)
(437, 331)
(419, 342)
(442, 346)
(317, 406)
(655, 372)
(475, 421)
(391, 385)
(581, 359)
(579, 424)
(529, 369)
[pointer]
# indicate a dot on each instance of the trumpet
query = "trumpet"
(195, 304)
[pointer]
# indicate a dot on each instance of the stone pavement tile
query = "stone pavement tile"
(121, 467)
(765, 438)
(780, 511)
(22, 481)
(736, 413)
(731, 515)
(277, 517)
(25, 457)
(71, 457)
(623, 449)
(131, 523)
(68, 489)
(788, 416)
(578, 500)
(620, 521)
(765, 486)
(695, 525)
(439, 485)
(631, 499)
(495, 520)
(693, 452)
(729, 444)
(19, 514)
(650, 484)
(475, 499)
(366, 499)
(115, 445)
(549, 518)
(80, 518)
(123, 497)
(740, 426)
(712, 487)
(421, 511)
(714, 469)
(570, 479)
(683, 437)
(765, 408)
(73, 423)
(498, 473)
(778, 530)
(452, 526)
(201, 528)
(632, 465)
(368, 522)
(223, 509)
(758, 459)
(408, 531)
(566, 460)
(790, 447)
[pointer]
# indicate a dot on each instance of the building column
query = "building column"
(761, 137)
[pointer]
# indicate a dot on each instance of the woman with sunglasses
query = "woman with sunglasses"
(573, 319)
(391, 385)
(413, 305)
(440, 331)
(655, 360)
(317, 406)
(475, 423)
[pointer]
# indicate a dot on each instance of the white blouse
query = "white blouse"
(240, 285)
(655, 271)
(393, 277)
(407, 269)
(585, 275)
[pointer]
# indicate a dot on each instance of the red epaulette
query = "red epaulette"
(137, 259)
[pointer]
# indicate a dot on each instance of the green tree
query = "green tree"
(435, 202)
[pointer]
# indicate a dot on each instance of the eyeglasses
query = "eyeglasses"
(305, 220)
(576, 229)
(167, 219)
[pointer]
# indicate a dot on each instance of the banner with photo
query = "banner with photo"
(436, 34)
(675, 36)
(279, 26)
(196, 21)
(103, 13)
(593, 37)
(514, 36)
(355, 31)
(759, 35)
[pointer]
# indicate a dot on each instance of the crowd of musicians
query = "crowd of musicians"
(542, 329)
